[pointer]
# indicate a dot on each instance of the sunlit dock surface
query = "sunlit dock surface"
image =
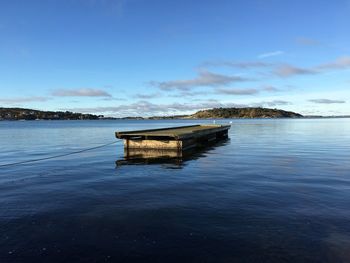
(178, 138)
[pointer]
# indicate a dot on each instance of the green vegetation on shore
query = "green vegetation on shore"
(231, 113)
(244, 113)
(29, 114)
(217, 113)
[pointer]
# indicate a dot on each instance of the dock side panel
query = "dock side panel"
(152, 144)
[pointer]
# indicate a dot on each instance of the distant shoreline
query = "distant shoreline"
(21, 114)
(160, 119)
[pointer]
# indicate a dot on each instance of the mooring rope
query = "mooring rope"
(57, 156)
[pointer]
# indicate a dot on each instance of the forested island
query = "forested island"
(13, 114)
(244, 113)
(216, 113)
(228, 113)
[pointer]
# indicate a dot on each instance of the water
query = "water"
(277, 191)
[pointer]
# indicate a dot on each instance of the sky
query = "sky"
(160, 57)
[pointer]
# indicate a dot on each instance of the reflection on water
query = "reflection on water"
(277, 191)
(177, 158)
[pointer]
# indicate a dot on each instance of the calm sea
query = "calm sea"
(276, 191)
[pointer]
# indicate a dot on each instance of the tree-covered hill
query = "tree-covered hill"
(244, 113)
(29, 114)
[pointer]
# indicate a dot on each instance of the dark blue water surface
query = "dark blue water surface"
(276, 191)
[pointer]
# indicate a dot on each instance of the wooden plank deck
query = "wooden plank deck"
(172, 138)
(174, 132)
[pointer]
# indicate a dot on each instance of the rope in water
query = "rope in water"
(57, 156)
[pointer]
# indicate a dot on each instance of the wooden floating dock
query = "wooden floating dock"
(179, 138)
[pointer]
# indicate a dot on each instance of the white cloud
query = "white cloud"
(147, 96)
(339, 63)
(286, 70)
(23, 100)
(271, 54)
(327, 101)
(204, 79)
(272, 103)
(233, 64)
(235, 91)
(83, 92)
(270, 89)
(145, 108)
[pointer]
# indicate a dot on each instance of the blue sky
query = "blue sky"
(138, 57)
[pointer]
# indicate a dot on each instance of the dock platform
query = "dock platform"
(180, 138)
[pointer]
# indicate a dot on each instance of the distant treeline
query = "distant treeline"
(29, 114)
(217, 113)
(244, 113)
(230, 113)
